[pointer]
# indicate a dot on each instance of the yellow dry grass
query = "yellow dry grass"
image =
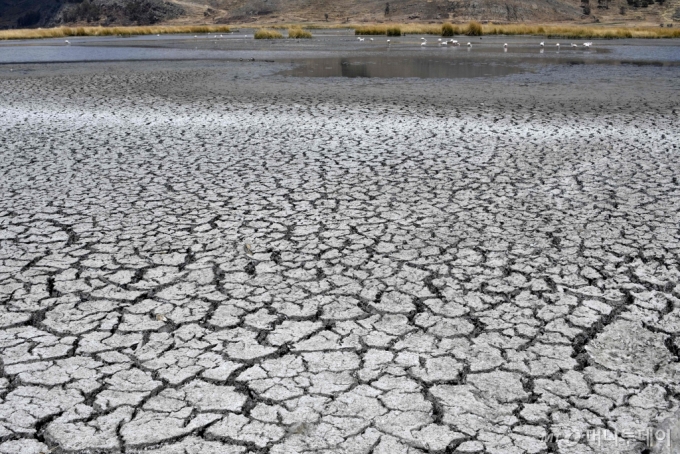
(298, 32)
(449, 29)
(582, 32)
(474, 29)
(304, 26)
(393, 31)
(405, 29)
(62, 32)
(265, 33)
(552, 31)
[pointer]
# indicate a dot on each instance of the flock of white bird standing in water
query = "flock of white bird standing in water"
(423, 43)
(453, 42)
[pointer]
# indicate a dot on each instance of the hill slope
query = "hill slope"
(35, 13)
(400, 10)
(239, 11)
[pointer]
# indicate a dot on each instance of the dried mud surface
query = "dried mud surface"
(483, 265)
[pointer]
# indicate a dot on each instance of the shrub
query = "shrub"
(371, 30)
(393, 31)
(474, 29)
(264, 33)
(551, 31)
(449, 30)
(297, 32)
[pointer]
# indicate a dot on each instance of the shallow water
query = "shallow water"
(389, 67)
(336, 53)
(81, 53)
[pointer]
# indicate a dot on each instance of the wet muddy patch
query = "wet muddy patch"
(391, 67)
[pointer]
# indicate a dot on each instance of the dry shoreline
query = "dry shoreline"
(431, 261)
(548, 30)
(65, 32)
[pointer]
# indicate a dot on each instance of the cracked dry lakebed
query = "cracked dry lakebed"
(222, 245)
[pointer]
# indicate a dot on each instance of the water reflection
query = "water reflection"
(64, 53)
(392, 67)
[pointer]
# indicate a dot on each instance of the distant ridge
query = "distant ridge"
(46, 13)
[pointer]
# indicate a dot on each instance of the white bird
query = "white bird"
(388, 41)
(439, 39)
(158, 35)
(371, 39)
(542, 44)
(505, 45)
(558, 45)
(221, 36)
(469, 44)
(424, 43)
(68, 43)
(587, 44)
(195, 36)
(361, 39)
(422, 39)
(574, 45)
(454, 42)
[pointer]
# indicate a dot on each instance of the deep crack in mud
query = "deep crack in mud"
(191, 262)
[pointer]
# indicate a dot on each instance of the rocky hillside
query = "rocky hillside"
(404, 10)
(37, 13)
(46, 13)
(438, 10)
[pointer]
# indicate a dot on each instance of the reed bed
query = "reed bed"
(306, 26)
(371, 30)
(474, 29)
(298, 32)
(63, 32)
(404, 29)
(449, 29)
(265, 33)
(581, 32)
(551, 31)
(393, 31)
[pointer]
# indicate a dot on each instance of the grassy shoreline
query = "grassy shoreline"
(299, 33)
(266, 33)
(65, 32)
(549, 31)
